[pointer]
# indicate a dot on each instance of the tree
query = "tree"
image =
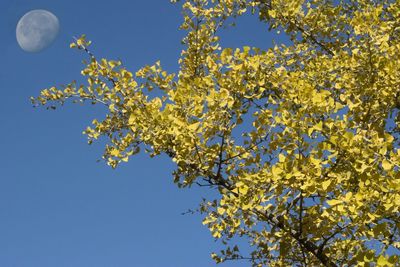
(314, 179)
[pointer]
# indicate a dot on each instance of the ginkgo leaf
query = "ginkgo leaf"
(326, 184)
(334, 202)
(386, 165)
(382, 261)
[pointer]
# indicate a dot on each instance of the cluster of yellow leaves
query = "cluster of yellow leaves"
(301, 141)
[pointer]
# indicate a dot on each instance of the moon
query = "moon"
(37, 30)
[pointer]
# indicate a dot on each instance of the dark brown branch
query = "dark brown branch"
(249, 148)
(296, 25)
(301, 215)
(93, 58)
(308, 245)
(197, 152)
(312, 38)
(221, 151)
(210, 184)
(322, 246)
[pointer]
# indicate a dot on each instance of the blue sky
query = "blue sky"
(58, 206)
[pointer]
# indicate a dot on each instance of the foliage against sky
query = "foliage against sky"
(314, 180)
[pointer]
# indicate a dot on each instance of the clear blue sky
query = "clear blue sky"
(58, 206)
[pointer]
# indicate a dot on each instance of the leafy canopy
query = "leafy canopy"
(301, 141)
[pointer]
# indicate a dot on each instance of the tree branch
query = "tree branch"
(308, 245)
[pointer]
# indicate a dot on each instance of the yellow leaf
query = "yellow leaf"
(194, 126)
(326, 184)
(318, 126)
(386, 165)
(333, 202)
(220, 210)
(382, 261)
(114, 152)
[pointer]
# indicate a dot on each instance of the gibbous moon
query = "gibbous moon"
(36, 30)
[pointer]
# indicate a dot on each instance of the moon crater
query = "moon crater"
(37, 30)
